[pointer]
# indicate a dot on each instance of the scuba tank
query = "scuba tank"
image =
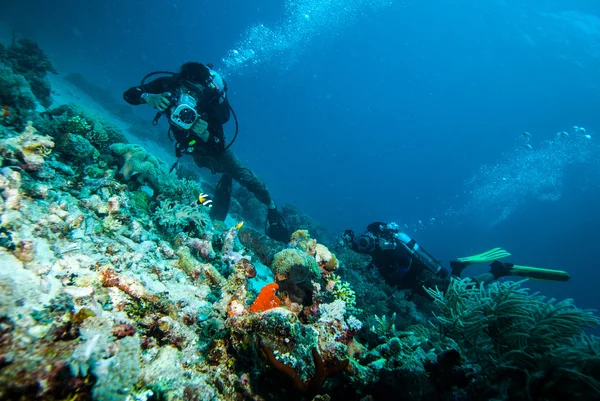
(421, 254)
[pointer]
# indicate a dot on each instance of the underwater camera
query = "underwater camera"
(366, 243)
(184, 113)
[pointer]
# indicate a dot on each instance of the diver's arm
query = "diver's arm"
(160, 85)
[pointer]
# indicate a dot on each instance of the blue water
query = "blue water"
(363, 110)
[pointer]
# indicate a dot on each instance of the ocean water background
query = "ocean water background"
(406, 111)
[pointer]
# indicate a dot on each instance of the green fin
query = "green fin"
(536, 273)
(488, 256)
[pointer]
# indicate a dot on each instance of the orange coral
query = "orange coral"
(266, 299)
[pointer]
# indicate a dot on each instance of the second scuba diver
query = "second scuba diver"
(404, 263)
(195, 103)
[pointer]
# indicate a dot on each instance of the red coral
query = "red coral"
(266, 299)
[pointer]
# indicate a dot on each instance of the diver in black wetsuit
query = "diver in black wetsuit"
(195, 102)
(404, 263)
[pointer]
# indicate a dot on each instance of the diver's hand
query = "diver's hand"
(200, 129)
(160, 102)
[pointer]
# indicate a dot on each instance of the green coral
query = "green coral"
(140, 200)
(286, 259)
(343, 291)
(385, 327)
(111, 224)
(175, 216)
(77, 125)
(504, 328)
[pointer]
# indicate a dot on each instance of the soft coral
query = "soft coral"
(266, 299)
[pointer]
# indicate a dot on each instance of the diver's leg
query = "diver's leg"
(229, 163)
(204, 159)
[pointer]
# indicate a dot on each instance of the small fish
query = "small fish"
(4, 112)
(239, 225)
(205, 200)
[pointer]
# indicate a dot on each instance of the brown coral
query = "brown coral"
(315, 384)
(123, 330)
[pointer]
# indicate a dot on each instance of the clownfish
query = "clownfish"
(205, 200)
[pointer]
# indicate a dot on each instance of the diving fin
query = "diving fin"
(222, 198)
(537, 273)
(501, 269)
(488, 256)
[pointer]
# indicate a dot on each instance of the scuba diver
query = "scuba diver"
(404, 263)
(194, 100)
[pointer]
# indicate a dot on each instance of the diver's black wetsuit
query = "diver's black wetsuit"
(215, 110)
(210, 108)
(398, 265)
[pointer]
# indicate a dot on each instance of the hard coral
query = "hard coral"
(28, 59)
(326, 260)
(16, 94)
(27, 150)
(76, 121)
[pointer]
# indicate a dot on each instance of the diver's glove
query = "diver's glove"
(275, 226)
(200, 129)
(159, 102)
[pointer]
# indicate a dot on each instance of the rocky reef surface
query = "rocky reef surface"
(115, 284)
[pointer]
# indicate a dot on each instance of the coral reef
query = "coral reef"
(533, 344)
(118, 286)
(26, 58)
(16, 99)
(72, 123)
(27, 150)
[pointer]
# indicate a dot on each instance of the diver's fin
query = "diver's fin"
(536, 273)
(488, 256)
(222, 198)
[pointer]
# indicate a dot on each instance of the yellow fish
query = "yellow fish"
(239, 225)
